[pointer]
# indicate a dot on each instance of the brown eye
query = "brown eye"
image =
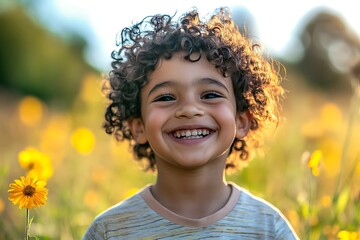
(164, 98)
(211, 95)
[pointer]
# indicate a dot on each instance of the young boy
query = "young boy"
(191, 97)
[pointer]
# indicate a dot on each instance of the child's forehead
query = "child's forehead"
(182, 64)
(182, 58)
(178, 71)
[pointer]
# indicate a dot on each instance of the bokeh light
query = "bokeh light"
(30, 110)
(83, 140)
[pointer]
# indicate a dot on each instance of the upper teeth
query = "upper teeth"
(191, 133)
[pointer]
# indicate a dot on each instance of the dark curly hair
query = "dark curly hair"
(256, 79)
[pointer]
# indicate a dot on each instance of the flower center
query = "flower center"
(31, 166)
(29, 190)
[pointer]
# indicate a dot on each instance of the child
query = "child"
(191, 97)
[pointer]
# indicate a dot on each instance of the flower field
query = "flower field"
(309, 167)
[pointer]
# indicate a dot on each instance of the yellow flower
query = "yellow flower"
(28, 192)
(36, 163)
(348, 235)
(313, 161)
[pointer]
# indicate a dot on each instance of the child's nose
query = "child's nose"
(189, 110)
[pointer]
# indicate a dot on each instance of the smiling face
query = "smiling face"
(188, 113)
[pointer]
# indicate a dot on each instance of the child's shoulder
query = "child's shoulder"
(124, 215)
(255, 204)
(258, 214)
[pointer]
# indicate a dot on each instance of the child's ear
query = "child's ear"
(243, 124)
(137, 130)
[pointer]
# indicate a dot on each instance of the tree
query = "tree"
(36, 62)
(330, 51)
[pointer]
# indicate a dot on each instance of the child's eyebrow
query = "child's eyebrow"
(213, 82)
(160, 85)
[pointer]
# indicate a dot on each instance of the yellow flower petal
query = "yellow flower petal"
(28, 192)
(315, 159)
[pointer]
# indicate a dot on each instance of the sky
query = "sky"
(99, 21)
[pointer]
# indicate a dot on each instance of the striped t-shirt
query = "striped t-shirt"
(244, 216)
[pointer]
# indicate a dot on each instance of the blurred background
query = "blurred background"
(55, 53)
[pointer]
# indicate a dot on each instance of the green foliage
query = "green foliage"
(36, 62)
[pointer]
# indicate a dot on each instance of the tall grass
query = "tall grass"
(92, 172)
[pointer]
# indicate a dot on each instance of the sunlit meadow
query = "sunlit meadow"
(309, 167)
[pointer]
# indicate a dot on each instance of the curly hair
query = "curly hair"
(255, 79)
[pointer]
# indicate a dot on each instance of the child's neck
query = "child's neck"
(192, 193)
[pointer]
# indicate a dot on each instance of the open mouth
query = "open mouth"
(191, 133)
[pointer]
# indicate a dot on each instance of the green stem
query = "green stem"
(27, 224)
(312, 201)
(354, 106)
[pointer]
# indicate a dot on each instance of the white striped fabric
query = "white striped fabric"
(142, 217)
